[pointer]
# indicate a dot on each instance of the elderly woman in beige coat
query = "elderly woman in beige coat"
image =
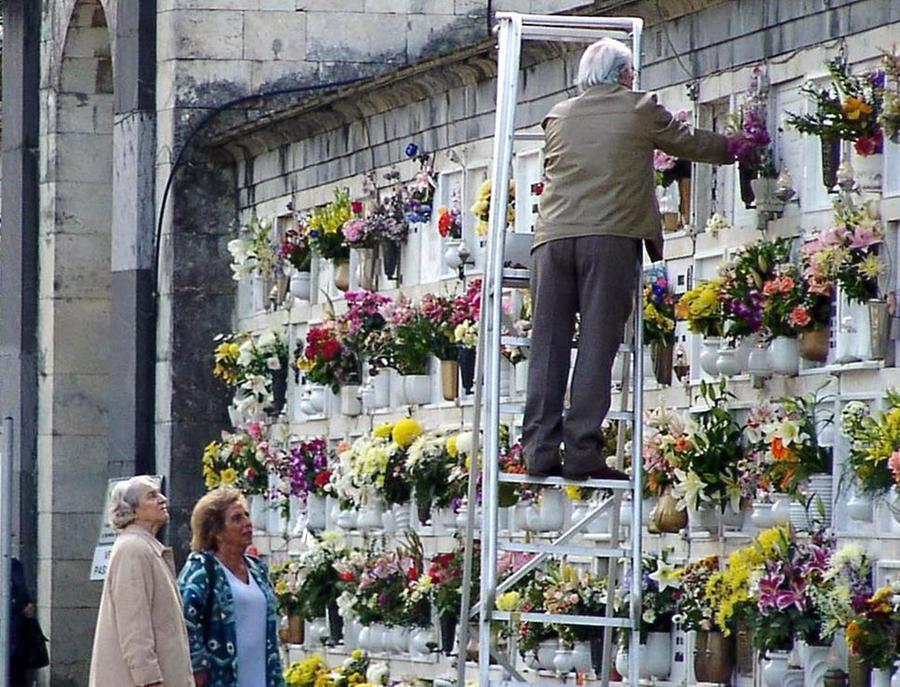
(141, 639)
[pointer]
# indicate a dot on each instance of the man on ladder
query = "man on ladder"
(598, 204)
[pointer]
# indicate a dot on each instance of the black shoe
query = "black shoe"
(599, 472)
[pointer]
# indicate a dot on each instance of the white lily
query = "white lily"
(665, 576)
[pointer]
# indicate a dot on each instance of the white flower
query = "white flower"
(246, 352)
(688, 489)
(378, 673)
(464, 443)
(716, 223)
(665, 576)
(649, 616)
(273, 363)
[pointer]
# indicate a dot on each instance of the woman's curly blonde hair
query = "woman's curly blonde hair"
(208, 516)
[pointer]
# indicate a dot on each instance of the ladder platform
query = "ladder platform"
(528, 136)
(516, 277)
(564, 550)
(525, 342)
(562, 619)
(618, 484)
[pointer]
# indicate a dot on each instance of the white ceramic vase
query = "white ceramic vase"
(300, 285)
(869, 170)
(727, 363)
(371, 515)
(317, 398)
(785, 355)
(381, 386)
(759, 362)
(315, 512)
(774, 668)
(581, 654)
(709, 356)
(563, 661)
(546, 651)
(552, 513)
(416, 389)
(401, 517)
(881, 678)
(522, 376)
(860, 507)
(815, 663)
(656, 655)
(781, 508)
(761, 516)
(350, 404)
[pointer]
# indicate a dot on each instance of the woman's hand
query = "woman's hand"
(201, 677)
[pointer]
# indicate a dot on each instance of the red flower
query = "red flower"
(445, 223)
(330, 349)
(356, 206)
(345, 576)
(869, 145)
(322, 479)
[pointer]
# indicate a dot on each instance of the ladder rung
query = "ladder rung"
(622, 485)
(564, 550)
(563, 619)
(516, 277)
(525, 342)
(528, 136)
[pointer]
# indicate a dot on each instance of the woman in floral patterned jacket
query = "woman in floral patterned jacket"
(229, 604)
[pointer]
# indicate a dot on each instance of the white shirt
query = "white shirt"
(250, 629)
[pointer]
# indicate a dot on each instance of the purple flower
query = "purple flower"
(412, 150)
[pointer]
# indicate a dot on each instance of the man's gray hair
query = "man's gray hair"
(603, 62)
(123, 500)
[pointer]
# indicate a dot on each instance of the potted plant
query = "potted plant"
(664, 451)
(782, 301)
(848, 109)
(428, 466)
(419, 198)
(701, 307)
(437, 310)
(750, 144)
(464, 319)
(659, 325)
(482, 206)
(295, 249)
(286, 583)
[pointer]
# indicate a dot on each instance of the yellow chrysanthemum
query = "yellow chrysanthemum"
(228, 476)
(575, 493)
(383, 431)
(508, 602)
(451, 446)
(405, 431)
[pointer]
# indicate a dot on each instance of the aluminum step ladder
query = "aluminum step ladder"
(512, 29)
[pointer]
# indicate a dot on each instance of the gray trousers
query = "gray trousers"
(596, 276)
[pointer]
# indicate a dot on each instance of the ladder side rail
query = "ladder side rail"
(637, 476)
(510, 33)
(621, 23)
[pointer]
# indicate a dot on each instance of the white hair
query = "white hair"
(603, 62)
(123, 501)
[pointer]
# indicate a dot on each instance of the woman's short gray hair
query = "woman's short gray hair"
(123, 500)
(603, 62)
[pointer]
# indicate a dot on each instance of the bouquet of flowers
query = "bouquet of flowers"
(238, 459)
(295, 248)
(381, 593)
(742, 284)
(325, 359)
(847, 253)
(450, 218)
(465, 314)
(418, 206)
(872, 634)
(848, 109)
(843, 591)
(659, 312)
(378, 467)
(530, 600)
(664, 450)
(702, 308)
(358, 233)
(482, 206)
(437, 310)
(286, 583)
(708, 471)
(518, 325)
(874, 454)
(661, 585)
(694, 607)
(890, 113)
(324, 228)
(783, 311)
(255, 251)
(748, 134)
(569, 592)
(247, 362)
(387, 220)
(446, 574)
(407, 342)
(428, 467)
(305, 467)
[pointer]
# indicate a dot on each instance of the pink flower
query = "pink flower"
(863, 237)
(662, 161)
(255, 429)
(799, 317)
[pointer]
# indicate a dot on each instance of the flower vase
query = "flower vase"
(670, 221)
(831, 160)
(315, 512)
(662, 354)
(684, 197)
(742, 354)
(879, 328)
(371, 515)
(301, 285)
(342, 275)
(895, 681)
(546, 651)
(335, 623)
(367, 268)
(759, 362)
(449, 379)
(785, 354)
(317, 399)
(621, 664)
(316, 630)
(815, 665)
(860, 507)
(390, 257)
(858, 672)
(350, 403)
(705, 518)
(552, 511)
(381, 387)
(726, 362)
(449, 621)
(666, 516)
(581, 657)
(402, 517)
(563, 661)
(656, 655)
(521, 376)
(762, 516)
(747, 175)
(713, 661)
(467, 368)
(781, 509)
(257, 504)
(450, 255)
(869, 170)
(764, 192)
(506, 376)
(419, 639)
(881, 678)
(709, 355)
(814, 345)
(294, 632)
(775, 668)
(417, 388)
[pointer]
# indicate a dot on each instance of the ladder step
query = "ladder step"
(621, 485)
(516, 277)
(528, 136)
(564, 550)
(525, 342)
(518, 408)
(563, 619)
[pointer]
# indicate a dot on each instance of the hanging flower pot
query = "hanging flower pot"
(860, 507)
(449, 379)
(727, 363)
(294, 632)
(774, 668)
(746, 175)
(709, 355)
(869, 170)
(661, 354)
(300, 285)
(764, 192)
(367, 268)
(449, 621)
(279, 390)
(315, 512)
(416, 389)
(831, 160)
(814, 345)
(467, 368)
(879, 328)
(390, 257)
(785, 355)
(342, 275)
(713, 660)
(350, 404)
(451, 256)
(762, 516)
(335, 623)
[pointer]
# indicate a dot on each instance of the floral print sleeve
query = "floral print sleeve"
(194, 585)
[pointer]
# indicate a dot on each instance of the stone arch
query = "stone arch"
(74, 332)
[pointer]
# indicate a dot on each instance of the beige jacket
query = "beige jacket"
(140, 637)
(598, 164)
